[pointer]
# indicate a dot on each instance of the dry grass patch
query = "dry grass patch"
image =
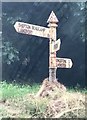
(52, 100)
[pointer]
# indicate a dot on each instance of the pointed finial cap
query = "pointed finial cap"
(52, 18)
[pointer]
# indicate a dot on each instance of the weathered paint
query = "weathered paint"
(52, 18)
(64, 63)
(56, 45)
(30, 29)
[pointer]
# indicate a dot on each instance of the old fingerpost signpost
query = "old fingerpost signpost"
(54, 44)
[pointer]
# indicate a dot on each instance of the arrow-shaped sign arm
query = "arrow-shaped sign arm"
(31, 29)
(64, 63)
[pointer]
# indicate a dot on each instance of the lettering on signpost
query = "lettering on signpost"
(32, 29)
(61, 63)
(54, 45)
(64, 63)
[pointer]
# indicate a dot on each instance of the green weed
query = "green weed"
(11, 90)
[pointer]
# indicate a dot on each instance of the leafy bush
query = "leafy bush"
(10, 54)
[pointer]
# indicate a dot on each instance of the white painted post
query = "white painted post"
(52, 20)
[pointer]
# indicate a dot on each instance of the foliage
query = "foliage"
(10, 54)
(10, 90)
(77, 89)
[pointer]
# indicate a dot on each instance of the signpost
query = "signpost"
(54, 45)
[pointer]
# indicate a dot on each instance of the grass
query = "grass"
(14, 90)
(11, 90)
(78, 89)
(20, 102)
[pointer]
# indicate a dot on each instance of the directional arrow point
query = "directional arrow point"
(16, 26)
(52, 18)
(71, 63)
